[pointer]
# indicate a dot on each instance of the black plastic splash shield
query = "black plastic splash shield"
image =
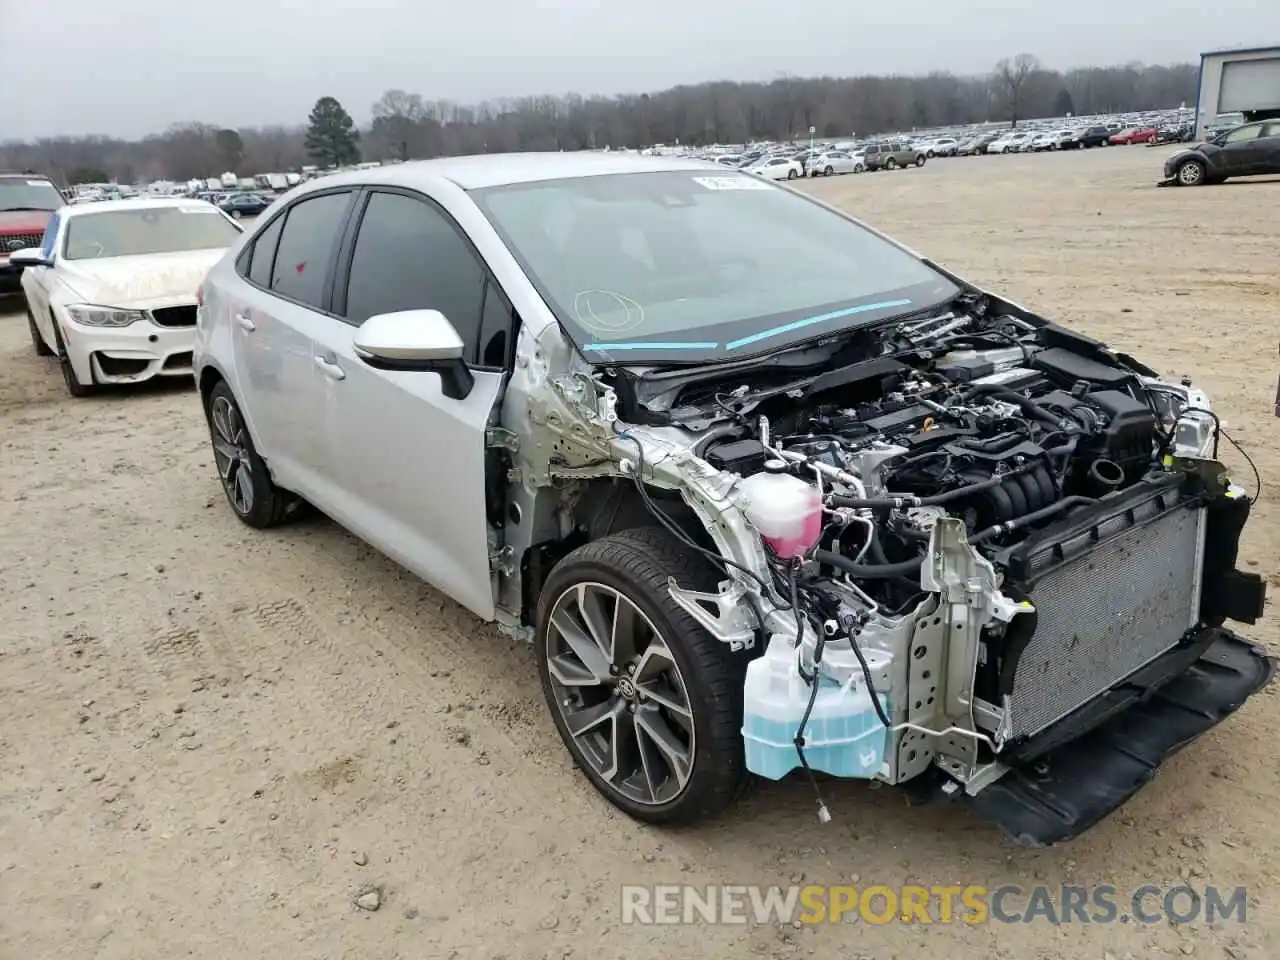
(1073, 787)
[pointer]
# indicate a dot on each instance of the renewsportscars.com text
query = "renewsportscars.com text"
(941, 904)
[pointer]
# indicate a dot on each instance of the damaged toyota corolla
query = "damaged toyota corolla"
(767, 491)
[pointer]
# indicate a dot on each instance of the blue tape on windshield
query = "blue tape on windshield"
(810, 321)
(647, 345)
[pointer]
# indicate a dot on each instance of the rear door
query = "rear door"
(288, 274)
(409, 460)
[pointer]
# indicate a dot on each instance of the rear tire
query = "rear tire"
(37, 341)
(247, 483)
(827, 171)
(658, 734)
(791, 174)
(891, 164)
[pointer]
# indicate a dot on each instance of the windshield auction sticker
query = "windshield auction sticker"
(733, 183)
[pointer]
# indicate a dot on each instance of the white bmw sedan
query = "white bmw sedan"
(112, 290)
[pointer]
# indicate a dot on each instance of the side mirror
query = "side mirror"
(29, 257)
(418, 341)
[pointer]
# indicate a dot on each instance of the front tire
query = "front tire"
(920, 160)
(37, 341)
(647, 702)
(1192, 173)
(827, 171)
(73, 383)
(891, 164)
(253, 495)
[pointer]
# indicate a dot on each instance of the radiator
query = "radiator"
(1108, 611)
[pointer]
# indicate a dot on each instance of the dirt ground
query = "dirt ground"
(212, 739)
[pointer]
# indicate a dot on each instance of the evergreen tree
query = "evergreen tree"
(332, 138)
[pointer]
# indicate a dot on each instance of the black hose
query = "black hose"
(711, 436)
(866, 673)
(911, 500)
(868, 571)
(1026, 404)
(1027, 519)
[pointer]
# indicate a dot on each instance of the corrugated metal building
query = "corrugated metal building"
(1246, 81)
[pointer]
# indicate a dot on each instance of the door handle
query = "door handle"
(245, 323)
(330, 368)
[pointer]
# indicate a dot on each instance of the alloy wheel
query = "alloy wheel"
(1190, 174)
(231, 453)
(620, 693)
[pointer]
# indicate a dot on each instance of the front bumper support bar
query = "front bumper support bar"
(1064, 792)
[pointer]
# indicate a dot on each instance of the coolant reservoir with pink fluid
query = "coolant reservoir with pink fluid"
(785, 510)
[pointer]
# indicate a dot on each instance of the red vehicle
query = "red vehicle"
(27, 201)
(1135, 135)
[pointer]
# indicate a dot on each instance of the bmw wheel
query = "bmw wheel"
(1191, 173)
(647, 702)
(74, 385)
(245, 479)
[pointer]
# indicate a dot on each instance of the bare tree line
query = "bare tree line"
(409, 125)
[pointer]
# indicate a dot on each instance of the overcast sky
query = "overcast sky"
(132, 67)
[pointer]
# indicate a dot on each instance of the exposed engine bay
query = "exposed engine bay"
(954, 539)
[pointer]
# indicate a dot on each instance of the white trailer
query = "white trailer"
(1243, 81)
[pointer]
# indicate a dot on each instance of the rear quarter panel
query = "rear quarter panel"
(213, 350)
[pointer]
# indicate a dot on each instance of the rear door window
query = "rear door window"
(263, 255)
(307, 244)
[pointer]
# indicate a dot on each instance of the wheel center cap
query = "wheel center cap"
(626, 689)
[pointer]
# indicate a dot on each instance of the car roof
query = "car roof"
(500, 169)
(134, 203)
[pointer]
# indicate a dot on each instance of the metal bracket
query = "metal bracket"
(501, 438)
(734, 622)
(503, 561)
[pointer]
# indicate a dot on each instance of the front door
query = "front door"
(272, 324)
(1269, 148)
(1241, 150)
(411, 461)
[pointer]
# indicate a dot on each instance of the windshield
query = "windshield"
(687, 266)
(19, 194)
(133, 233)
